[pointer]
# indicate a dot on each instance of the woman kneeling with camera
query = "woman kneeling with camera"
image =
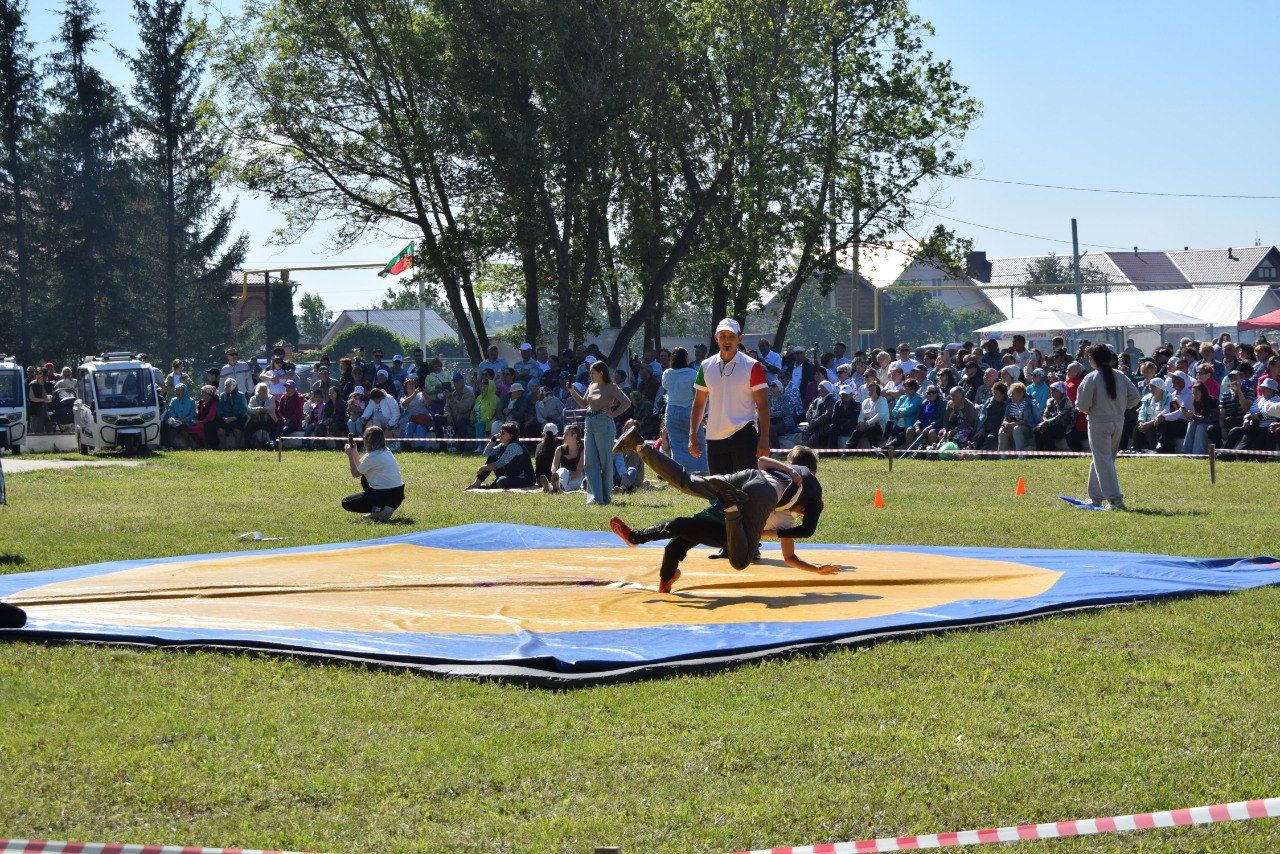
(382, 488)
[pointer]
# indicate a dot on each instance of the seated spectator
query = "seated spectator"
(507, 461)
(289, 409)
(544, 455)
(518, 407)
(932, 413)
(990, 419)
(233, 415)
(846, 413)
(1202, 421)
(1259, 429)
(382, 379)
(205, 427)
(1020, 419)
(355, 410)
(179, 415)
(628, 468)
(262, 426)
(382, 410)
(906, 411)
(548, 408)
(958, 420)
(416, 418)
(459, 401)
(819, 431)
(485, 409)
(315, 421)
(1151, 409)
(873, 419)
(1057, 420)
(1038, 389)
(1172, 423)
(568, 463)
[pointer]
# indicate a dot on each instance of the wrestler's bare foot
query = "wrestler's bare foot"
(664, 585)
(623, 530)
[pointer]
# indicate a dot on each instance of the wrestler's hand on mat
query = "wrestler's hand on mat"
(828, 569)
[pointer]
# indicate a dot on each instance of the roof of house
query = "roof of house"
(1219, 265)
(1154, 269)
(403, 322)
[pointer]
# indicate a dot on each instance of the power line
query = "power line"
(1032, 236)
(1120, 192)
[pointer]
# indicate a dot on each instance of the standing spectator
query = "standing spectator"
(798, 375)
(289, 409)
(1103, 396)
(527, 364)
(176, 377)
(275, 376)
(606, 403)
(567, 466)
(205, 427)
(492, 363)
(234, 369)
(677, 382)
(179, 415)
(548, 408)
(233, 415)
(397, 373)
(731, 389)
(1132, 350)
(39, 399)
(432, 381)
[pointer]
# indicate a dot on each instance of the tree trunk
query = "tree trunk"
(529, 262)
(171, 251)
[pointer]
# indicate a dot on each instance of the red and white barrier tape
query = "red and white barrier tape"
(44, 846)
(1238, 811)
(865, 452)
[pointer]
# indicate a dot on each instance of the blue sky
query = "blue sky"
(1174, 96)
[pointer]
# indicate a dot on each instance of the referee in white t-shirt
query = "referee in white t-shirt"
(732, 391)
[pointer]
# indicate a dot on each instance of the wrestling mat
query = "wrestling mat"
(550, 606)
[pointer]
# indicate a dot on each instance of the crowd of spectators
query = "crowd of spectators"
(954, 396)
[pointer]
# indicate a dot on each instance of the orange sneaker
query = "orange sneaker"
(623, 531)
(665, 586)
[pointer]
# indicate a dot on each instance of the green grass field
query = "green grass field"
(1126, 710)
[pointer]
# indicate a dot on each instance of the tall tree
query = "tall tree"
(184, 154)
(314, 318)
(20, 110)
(1053, 269)
(89, 196)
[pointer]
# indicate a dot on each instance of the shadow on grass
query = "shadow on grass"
(12, 560)
(1155, 511)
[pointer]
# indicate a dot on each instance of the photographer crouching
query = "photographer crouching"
(382, 487)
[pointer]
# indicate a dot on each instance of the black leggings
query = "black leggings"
(683, 533)
(739, 533)
(367, 499)
(733, 453)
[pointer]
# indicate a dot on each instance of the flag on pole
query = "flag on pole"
(400, 263)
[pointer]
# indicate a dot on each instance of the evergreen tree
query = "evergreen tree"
(89, 199)
(19, 116)
(180, 167)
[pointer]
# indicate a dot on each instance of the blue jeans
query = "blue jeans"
(598, 446)
(1197, 439)
(678, 435)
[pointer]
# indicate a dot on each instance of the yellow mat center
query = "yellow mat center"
(408, 588)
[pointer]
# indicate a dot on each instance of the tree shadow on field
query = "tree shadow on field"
(12, 560)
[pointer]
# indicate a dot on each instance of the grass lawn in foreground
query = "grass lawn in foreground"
(1126, 710)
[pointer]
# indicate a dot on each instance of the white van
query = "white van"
(13, 406)
(118, 405)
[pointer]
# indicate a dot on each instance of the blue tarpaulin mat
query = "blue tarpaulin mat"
(551, 606)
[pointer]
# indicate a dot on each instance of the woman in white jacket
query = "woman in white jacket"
(872, 419)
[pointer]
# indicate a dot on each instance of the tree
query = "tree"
(20, 115)
(184, 153)
(918, 317)
(314, 319)
(1055, 270)
(91, 219)
(280, 322)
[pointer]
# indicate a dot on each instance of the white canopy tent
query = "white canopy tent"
(1042, 321)
(1151, 317)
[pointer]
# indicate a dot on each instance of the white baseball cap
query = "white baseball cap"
(526, 346)
(730, 324)
(552, 428)
(1270, 383)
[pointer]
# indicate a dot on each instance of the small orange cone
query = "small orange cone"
(1021, 488)
(878, 501)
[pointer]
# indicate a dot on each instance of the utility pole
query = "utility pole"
(422, 316)
(1075, 267)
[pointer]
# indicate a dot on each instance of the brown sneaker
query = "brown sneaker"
(628, 441)
(623, 531)
(664, 586)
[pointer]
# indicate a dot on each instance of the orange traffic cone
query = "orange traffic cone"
(1021, 488)
(878, 501)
